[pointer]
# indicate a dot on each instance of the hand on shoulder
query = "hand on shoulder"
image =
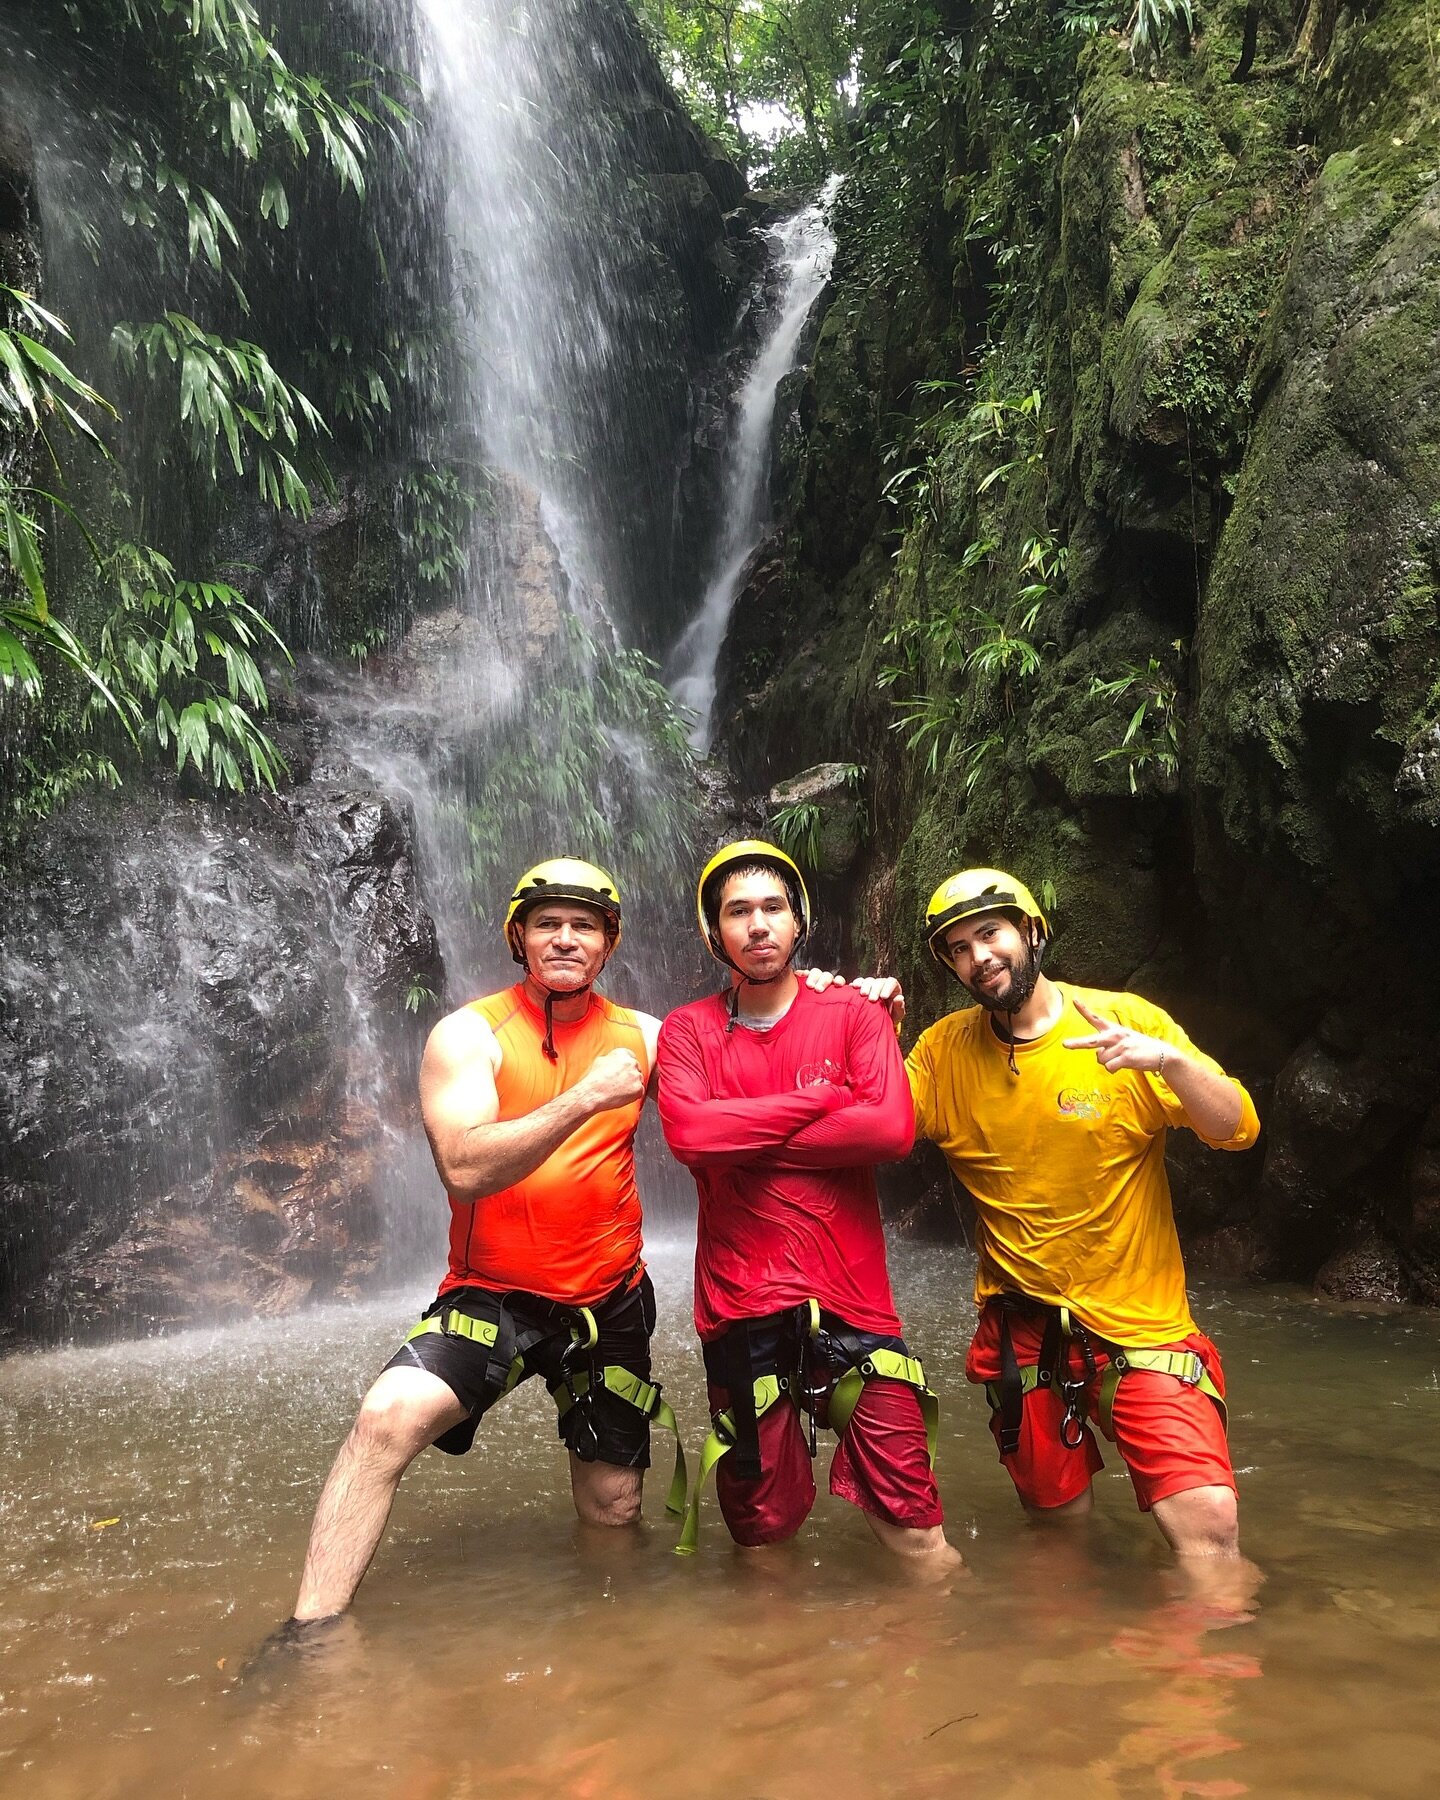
(884, 990)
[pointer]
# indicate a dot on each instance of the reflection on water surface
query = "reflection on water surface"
(497, 1648)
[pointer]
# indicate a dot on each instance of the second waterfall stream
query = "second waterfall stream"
(803, 251)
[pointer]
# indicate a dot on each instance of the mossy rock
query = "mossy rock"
(1320, 642)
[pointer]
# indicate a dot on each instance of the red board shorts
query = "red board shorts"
(1170, 1435)
(881, 1464)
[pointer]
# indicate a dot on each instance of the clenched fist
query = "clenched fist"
(613, 1079)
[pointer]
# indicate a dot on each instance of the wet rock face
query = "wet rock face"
(19, 215)
(203, 1033)
(1368, 1272)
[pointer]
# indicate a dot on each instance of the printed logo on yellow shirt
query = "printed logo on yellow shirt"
(1080, 1103)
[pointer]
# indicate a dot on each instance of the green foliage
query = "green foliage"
(797, 830)
(787, 58)
(181, 655)
(630, 812)
(39, 389)
(172, 665)
(973, 653)
(797, 827)
(35, 383)
(418, 996)
(230, 390)
(436, 505)
(231, 90)
(947, 443)
(1151, 740)
(1152, 22)
(965, 663)
(200, 180)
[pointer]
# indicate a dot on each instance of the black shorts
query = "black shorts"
(600, 1427)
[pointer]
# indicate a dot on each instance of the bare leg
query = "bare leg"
(1203, 1521)
(929, 1544)
(1071, 1512)
(605, 1494)
(404, 1411)
(1202, 1527)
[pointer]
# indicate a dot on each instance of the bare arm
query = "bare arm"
(650, 1031)
(475, 1151)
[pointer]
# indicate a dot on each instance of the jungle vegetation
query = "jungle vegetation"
(223, 140)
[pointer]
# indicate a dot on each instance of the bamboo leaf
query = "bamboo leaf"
(22, 539)
(274, 202)
(17, 666)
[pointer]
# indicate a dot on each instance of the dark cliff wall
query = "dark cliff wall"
(1236, 334)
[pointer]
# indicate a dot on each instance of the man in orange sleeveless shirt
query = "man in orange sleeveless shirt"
(530, 1099)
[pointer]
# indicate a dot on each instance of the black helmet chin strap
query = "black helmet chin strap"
(515, 933)
(554, 994)
(733, 1001)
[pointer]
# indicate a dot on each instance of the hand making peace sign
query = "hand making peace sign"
(1118, 1047)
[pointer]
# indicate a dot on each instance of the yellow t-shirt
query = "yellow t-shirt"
(1066, 1163)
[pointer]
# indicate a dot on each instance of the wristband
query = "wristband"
(1160, 1066)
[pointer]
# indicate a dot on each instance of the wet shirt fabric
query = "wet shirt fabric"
(780, 1130)
(570, 1230)
(1066, 1163)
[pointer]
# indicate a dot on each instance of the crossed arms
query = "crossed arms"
(867, 1119)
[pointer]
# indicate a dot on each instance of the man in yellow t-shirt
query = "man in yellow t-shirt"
(1051, 1105)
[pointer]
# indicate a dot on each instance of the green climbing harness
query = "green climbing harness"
(734, 1429)
(646, 1398)
(890, 1365)
(454, 1323)
(1184, 1365)
(1052, 1369)
(574, 1385)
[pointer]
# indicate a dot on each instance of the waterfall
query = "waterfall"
(803, 251)
(566, 386)
(219, 988)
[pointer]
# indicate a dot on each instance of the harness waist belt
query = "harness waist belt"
(1062, 1328)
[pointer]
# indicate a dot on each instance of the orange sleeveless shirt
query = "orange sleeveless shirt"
(570, 1230)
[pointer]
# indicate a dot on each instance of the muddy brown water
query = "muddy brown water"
(498, 1649)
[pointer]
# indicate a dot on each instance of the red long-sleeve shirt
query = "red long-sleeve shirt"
(780, 1129)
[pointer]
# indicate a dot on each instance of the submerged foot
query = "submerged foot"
(297, 1646)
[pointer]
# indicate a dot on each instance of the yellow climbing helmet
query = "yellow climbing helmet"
(975, 891)
(737, 856)
(563, 878)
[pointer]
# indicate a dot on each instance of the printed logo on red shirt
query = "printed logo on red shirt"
(818, 1074)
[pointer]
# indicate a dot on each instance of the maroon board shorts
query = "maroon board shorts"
(881, 1463)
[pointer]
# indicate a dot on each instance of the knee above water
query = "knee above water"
(1208, 1521)
(388, 1427)
(617, 1509)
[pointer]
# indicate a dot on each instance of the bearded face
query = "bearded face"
(995, 960)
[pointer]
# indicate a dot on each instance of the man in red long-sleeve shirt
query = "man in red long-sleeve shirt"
(780, 1100)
